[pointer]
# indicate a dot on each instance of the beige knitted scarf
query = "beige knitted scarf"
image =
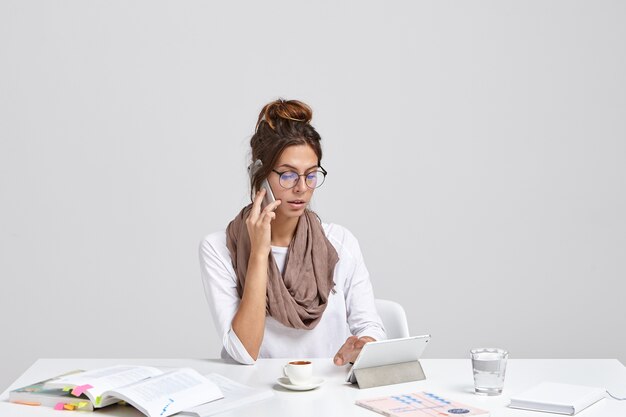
(299, 297)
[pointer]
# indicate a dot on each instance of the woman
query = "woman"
(279, 282)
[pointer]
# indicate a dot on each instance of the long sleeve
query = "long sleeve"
(362, 317)
(220, 288)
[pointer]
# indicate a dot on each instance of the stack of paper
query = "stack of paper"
(235, 395)
(552, 397)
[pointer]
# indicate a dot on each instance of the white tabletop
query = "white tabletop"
(446, 377)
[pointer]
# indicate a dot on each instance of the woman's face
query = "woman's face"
(300, 159)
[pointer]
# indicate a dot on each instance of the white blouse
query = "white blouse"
(350, 311)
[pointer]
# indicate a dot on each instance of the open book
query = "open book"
(152, 391)
(39, 394)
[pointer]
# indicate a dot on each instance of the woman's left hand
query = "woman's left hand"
(351, 349)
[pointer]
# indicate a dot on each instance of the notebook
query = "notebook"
(420, 404)
(552, 397)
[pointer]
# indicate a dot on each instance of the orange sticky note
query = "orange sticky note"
(26, 402)
(59, 406)
(69, 407)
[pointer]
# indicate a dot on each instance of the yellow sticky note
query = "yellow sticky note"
(98, 399)
(69, 407)
(66, 389)
(82, 404)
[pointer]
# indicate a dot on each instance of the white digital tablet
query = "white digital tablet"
(389, 352)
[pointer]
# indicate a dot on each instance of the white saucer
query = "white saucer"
(313, 383)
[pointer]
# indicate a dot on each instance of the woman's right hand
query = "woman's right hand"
(259, 224)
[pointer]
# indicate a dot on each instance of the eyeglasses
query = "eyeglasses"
(313, 179)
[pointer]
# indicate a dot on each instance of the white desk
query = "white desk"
(446, 377)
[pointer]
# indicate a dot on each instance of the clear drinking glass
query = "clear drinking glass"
(489, 365)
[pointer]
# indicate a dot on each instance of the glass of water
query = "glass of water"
(489, 365)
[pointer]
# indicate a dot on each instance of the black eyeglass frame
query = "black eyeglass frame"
(319, 168)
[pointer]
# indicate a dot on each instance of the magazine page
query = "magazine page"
(168, 393)
(95, 382)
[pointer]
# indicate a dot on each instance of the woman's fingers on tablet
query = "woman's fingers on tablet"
(346, 352)
(362, 341)
(351, 349)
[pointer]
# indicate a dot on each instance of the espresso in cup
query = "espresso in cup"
(299, 372)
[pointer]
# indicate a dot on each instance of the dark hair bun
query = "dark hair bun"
(284, 110)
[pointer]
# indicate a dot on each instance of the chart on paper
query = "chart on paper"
(420, 404)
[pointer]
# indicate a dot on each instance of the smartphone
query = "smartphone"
(269, 195)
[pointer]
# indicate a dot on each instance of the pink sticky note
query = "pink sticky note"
(59, 406)
(77, 391)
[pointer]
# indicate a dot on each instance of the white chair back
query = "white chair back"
(394, 318)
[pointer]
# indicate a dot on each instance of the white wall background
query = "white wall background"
(476, 148)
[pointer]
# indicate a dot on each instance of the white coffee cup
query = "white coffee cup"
(299, 372)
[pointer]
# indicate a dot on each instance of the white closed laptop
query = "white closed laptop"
(389, 352)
